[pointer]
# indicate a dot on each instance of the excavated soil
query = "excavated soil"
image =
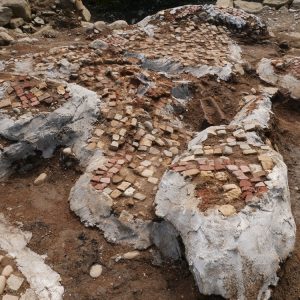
(287, 138)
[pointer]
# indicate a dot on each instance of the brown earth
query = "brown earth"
(72, 248)
(287, 138)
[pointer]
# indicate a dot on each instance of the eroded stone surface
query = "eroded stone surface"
(227, 246)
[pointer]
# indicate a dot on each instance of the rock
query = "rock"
(67, 151)
(98, 44)
(227, 210)
(228, 187)
(5, 15)
(5, 39)
(20, 8)
(40, 179)
(250, 7)
(85, 13)
(46, 31)
(39, 21)
(296, 4)
(100, 25)
(10, 297)
(224, 3)
(16, 23)
(165, 238)
(117, 25)
(284, 80)
(2, 284)
(27, 40)
(7, 271)
(276, 3)
(14, 282)
(96, 271)
(131, 255)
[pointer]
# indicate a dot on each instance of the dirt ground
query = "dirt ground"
(288, 140)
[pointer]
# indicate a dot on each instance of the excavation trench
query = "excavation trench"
(134, 10)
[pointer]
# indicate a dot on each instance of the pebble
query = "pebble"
(7, 271)
(67, 151)
(40, 179)
(14, 282)
(228, 187)
(10, 297)
(2, 284)
(131, 255)
(227, 210)
(96, 271)
(139, 196)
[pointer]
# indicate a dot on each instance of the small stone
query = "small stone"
(124, 186)
(207, 174)
(190, 172)
(98, 44)
(118, 25)
(67, 151)
(244, 146)
(39, 21)
(7, 271)
(91, 146)
(105, 180)
(168, 153)
(14, 282)
(249, 151)
(188, 158)
(228, 187)
(5, 103)
(10, 297)
(148, 125)
(249, 7)
(96, 271)
(100, 25)
(227, 210)
(147, 173)
(154, 151)
(239, 134)
(222, 176)
(131, 255)
(98, 132)
(40, 179)
(139, 196)
(146, 163)
(2, 284)
(227, 150)
(198, 151)
(115, 194)
(232, 168)
(129, 192)
(266, 162)
(221, 132)
(153, 180)
(116, 179)
(114, 146)
(233, 194)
